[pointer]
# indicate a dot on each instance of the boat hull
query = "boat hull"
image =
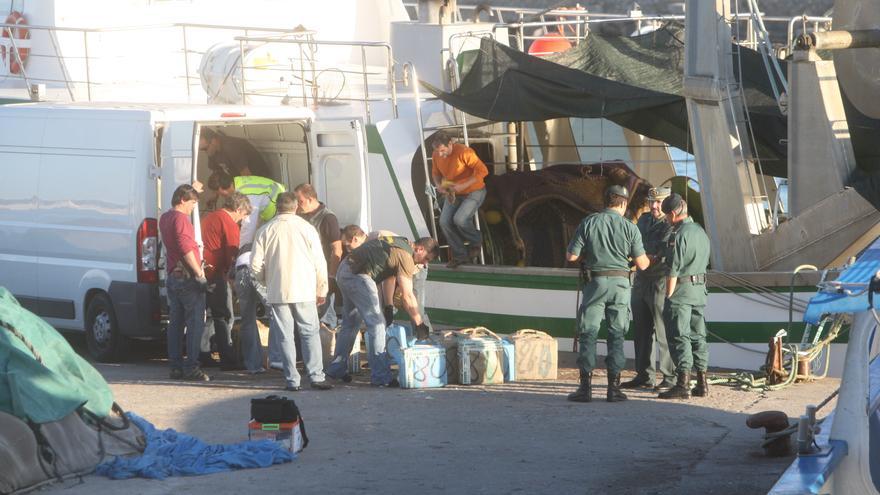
(740, 319)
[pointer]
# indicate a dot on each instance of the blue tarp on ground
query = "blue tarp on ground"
(853, 279)
(170, 453)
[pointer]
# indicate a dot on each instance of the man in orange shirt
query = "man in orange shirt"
(458, 174)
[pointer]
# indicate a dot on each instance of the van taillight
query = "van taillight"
(148, 251)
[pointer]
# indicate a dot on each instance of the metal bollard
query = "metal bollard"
(804, 435)
(773, 422)
(811, 414)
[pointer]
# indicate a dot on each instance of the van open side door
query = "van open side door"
(340, 176)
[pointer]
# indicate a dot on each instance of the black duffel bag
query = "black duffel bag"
(276, 409)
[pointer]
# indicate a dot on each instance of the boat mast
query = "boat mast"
(714, 107)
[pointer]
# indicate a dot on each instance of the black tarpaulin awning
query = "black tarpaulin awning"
(635, 82)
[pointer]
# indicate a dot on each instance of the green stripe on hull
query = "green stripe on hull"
(750, 332)
(515, 280)
(554, 282)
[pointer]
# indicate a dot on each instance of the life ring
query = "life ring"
(548, 44)
(18, 32)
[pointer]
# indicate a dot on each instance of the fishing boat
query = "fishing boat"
(358, 65)
(835, 450)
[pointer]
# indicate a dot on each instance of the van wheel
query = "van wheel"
(103, 336)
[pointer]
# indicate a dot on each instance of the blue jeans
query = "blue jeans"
(248, 297)
(420, 279)
(219, 324)
(303, 318)
(274, 345)
(186, 306)
(327, 311)
(457, 222)
(360, 302)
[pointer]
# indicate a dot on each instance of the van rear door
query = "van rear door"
(177, 166)
(340, 175)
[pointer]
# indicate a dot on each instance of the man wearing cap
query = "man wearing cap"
(604, 242)
(648, 295)
(687, 255)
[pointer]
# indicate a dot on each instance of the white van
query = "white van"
(82, 187)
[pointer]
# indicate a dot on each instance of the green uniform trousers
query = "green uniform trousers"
(648, 297)
(686, 327)
(605, 298)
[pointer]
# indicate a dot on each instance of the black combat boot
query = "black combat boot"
(639, 381)
(584, 393)
(614, 393)
(665, 385)
(681, 390)
(702, 388)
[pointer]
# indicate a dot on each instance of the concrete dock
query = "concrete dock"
(513, 438)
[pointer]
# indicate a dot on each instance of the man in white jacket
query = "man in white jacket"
(288, 259)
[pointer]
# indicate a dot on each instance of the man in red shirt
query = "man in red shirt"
(185, 285)
(220, 237)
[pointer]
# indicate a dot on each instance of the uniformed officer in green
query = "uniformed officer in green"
(604, 242)
(687, 255)
(648, 295)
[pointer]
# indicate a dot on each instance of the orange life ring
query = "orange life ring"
(15, 28)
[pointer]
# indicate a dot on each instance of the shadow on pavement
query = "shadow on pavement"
(519, 437)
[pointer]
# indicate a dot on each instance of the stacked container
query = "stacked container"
(484, 358)
(421, 364)
(536, 355)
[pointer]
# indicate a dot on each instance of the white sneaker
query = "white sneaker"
(276, 365)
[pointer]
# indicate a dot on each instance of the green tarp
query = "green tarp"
(42, 379)
(635, 82)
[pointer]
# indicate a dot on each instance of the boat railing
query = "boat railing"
(573, 25)
(818, 23)
(85, 60)
(305, 71)
(498, 12)
(101, 64)
(194, 46)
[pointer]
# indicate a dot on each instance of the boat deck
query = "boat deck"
(519, 437)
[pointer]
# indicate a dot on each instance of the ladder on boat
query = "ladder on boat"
(424, 132)
(745, 152)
